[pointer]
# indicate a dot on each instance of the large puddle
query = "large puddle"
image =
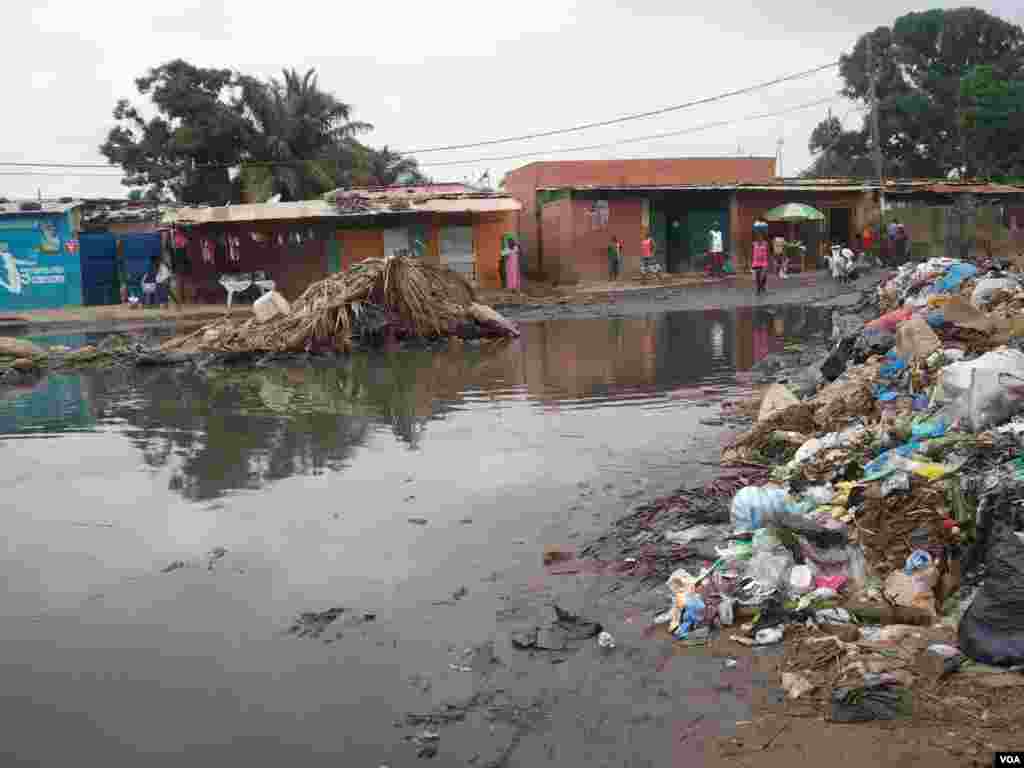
(163, 528)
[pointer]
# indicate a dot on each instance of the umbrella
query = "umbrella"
(794, 212)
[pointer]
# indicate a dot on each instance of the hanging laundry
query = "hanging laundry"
(234, 248)
(180, 241)
(280, 240)
(207, 251)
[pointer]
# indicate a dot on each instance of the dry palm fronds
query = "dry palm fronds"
(426, 301)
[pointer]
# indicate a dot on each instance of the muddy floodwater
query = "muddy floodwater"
(165, 531)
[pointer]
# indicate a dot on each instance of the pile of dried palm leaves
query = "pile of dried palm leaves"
(406, 296)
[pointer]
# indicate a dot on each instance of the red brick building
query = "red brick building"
(543, 184)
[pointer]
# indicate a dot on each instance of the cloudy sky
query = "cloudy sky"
(450, 72)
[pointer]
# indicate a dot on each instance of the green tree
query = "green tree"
(921, 61)
(993, 122)
(188, 146)
(303, 138)
(384, 167)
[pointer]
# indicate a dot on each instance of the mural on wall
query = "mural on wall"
(36, 257)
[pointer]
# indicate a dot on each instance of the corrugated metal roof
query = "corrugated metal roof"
(13, 208)
(360, 204)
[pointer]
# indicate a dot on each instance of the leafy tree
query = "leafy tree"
(384, 167)
(993, 122)
(187, 147)
(921, 62)
(303, 140)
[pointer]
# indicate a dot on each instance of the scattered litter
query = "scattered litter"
(606, 641)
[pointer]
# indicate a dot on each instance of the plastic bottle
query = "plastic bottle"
(726, 615)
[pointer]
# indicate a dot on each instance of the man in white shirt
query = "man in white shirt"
(163, 283)
(716, 249)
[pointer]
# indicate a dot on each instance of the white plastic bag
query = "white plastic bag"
(985, 392)
(801, 580)
(985, 288)
(770, 570)
(755, 507)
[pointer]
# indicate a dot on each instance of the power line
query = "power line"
(651, 137)
(637, 116)
(490, 142)
(564, 150)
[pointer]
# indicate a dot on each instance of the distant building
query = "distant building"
(39, 255)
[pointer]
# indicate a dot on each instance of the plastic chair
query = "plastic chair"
(235, 284)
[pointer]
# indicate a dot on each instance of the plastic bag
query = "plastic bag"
(950, 282)
(984, 289)
(693, 615)
(985, 392)
(801, 579)
(754, 507)
(770, 570)
(992, 630)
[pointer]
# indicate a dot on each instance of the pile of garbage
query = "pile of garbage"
(397, 298)
(888, 537)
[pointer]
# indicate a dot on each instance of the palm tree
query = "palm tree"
(383, 168)
(303, 137)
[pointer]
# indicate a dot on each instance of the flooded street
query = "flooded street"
(164, 529)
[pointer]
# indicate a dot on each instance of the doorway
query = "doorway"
(839, 225)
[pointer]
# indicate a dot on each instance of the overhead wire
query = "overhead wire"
(491, 142)
(635, 139)
(626, 118)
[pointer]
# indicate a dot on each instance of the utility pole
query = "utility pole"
(876, 138)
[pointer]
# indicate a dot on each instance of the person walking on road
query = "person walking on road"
(759, 261)
(614, 258)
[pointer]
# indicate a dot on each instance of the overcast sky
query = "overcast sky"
(449, 72)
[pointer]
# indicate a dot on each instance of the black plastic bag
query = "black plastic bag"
(992, 630)
(871, 702)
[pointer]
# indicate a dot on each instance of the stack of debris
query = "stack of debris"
(895, 491)
(375, 300)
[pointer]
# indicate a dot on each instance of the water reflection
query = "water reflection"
(245, 428)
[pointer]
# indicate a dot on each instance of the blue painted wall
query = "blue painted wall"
(37, 270)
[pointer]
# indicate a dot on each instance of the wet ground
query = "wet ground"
(257, 565)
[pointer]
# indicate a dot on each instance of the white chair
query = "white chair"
(235, 284)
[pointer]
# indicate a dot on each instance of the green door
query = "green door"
(698, 227)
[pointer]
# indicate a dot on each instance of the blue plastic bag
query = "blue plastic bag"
(950, 282)
(918, 559)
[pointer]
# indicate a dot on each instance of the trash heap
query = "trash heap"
(374, 300)
(886, 547)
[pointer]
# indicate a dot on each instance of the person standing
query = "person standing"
(149, 293)
(868, 240)
(163, 283)
(779, 252)
(716, 248)
(512, 277)
(614, 258)
(759, 262)
(648, 249)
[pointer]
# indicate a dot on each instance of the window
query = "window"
(457, 250)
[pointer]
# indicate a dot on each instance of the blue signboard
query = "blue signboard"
(39, 262)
